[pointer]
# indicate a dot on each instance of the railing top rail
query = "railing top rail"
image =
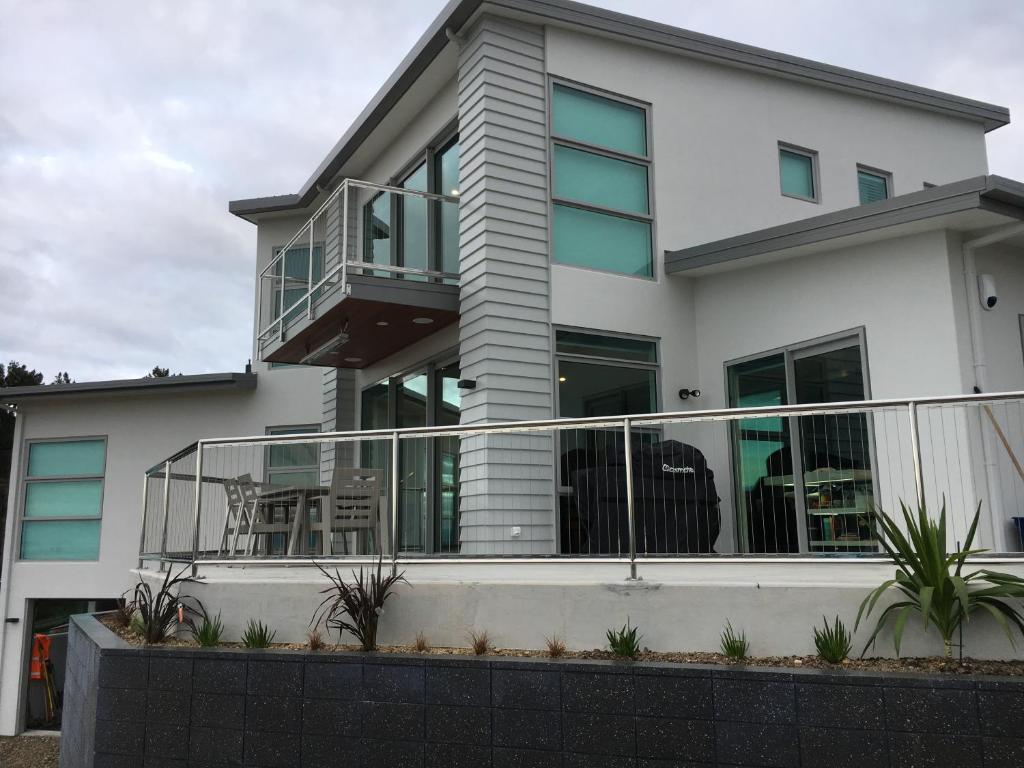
(636, 420)
(334, 196)
(173, 457)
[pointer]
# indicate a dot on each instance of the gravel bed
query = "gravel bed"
(29, 751)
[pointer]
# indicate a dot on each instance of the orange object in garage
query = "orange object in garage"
(40, 655)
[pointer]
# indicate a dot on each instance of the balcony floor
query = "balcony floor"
(380, 316)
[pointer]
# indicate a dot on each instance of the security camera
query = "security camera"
(987, 291)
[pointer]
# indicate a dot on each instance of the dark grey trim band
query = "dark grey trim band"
(990, 193)
(162, 386)
(563, 12)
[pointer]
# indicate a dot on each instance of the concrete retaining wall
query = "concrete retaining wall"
(291, 709)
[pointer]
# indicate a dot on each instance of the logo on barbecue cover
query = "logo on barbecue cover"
(677, 470)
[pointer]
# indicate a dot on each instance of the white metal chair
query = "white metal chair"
(239, 511)
(353, 506)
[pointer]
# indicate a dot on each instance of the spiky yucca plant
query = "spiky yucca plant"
(932, 582)
(356, 606)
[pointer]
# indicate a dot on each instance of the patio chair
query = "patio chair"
(239, 510)
(352, 507)
(262, 522)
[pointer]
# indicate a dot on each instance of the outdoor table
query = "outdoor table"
(297, 497)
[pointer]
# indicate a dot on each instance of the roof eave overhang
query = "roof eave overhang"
(992, 194)
(600, 21)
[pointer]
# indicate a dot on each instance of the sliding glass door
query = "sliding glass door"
(804, 484)
(428, 469)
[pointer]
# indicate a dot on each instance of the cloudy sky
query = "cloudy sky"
(126, 126)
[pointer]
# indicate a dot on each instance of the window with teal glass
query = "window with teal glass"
(600, 183)
(798, 173)
(63, 500)
(872, 186)
(294, 464)
(599, 121)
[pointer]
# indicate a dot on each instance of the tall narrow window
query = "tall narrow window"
(63, 500)
(600, 183)
(873, 185)
(798, 172)
(446, 182)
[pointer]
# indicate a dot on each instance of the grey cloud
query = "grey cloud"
(125, 128)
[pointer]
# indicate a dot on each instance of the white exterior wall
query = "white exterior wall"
(140, 430)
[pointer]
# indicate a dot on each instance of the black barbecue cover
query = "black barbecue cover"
(674, 498)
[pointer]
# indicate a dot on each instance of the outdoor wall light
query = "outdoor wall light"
(466, 384)
(686, 394)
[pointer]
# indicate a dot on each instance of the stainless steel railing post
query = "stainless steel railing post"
(394, 502)
(344, 236)
(166, 503)
(915, 447)
(145, 514)
(195, 519)
(630, 508)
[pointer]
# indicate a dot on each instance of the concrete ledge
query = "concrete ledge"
(677, 605)
(233, 707)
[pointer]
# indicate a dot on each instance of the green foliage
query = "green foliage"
(257, 635)
(833, 642)
(624, 642)
(734, 646)
(158, 612)
(943, 597)
(356, 607)
(208, 630)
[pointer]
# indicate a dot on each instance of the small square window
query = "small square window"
(798, 173)
(873, 185)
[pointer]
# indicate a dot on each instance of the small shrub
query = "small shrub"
(421, 644)
(208, 630)
(624, 642)
(356, 606)
(556, 646)
(480, 642)
(734, 646)
(257, 635)
(158, 613)
(316, 640)
(125, 611)
(833, 642)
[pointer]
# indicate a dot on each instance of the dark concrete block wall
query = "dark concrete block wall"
(171, 708)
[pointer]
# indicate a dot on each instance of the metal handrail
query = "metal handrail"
(714, 414)
(345, 262)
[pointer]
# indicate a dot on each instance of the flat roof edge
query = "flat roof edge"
(958, 196)
(162, 385)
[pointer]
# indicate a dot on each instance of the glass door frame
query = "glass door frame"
(790, 354)
(433, 487)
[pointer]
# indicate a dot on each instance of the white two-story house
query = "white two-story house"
(555, 212)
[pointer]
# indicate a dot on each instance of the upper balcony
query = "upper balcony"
(383, 275)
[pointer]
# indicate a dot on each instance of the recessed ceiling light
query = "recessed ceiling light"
(382, 323)
(353, 359)
(423, 320)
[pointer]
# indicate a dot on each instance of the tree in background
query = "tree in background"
(62, 378)
(158, 373)
(14, 375)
